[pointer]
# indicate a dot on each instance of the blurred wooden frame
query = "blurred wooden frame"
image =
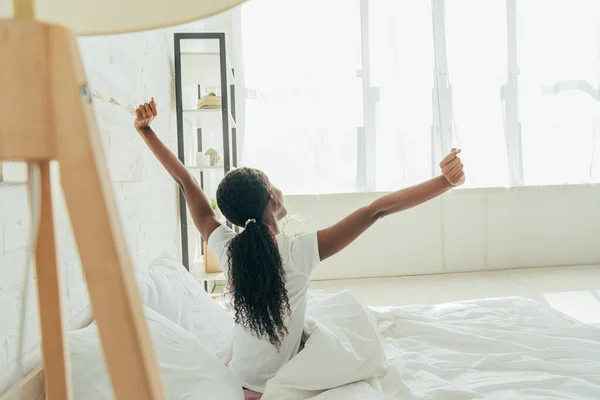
(32, 386)
(46, 114)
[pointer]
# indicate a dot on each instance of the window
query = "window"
(477, 70)
(559, 99)
(303, 97)
(347, 95)
(401, 70)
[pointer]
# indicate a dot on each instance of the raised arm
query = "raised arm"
(199, 206)
(340, 235)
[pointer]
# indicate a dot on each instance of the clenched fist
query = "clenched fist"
(144, 115)
(452, 168)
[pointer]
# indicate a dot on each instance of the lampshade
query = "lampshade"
(97, 17)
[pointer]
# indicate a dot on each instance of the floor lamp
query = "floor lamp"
(46, 115)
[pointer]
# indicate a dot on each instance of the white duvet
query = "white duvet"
(509, 348)
(342, 348)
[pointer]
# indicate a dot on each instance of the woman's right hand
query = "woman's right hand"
(144, 115)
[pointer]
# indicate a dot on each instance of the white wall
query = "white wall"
(465, 230)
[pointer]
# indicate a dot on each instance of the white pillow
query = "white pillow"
(170, 290)
(188, 369)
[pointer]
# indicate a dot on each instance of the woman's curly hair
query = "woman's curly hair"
(256, 275)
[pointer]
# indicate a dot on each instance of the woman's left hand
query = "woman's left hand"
(452, 168)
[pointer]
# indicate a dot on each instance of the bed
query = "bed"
(506, 348)
(502, 348)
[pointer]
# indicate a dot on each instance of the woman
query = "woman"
(268, 273)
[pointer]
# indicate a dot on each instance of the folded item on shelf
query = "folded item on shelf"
(210, 101)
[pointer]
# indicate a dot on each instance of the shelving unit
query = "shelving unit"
(202, 69)
(200, 116)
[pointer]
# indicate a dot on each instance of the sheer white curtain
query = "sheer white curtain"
(558, 42)
(476, 51)
(402, 69)
(304, 98)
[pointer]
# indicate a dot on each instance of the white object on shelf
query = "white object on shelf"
(199, 116)
(202, 160)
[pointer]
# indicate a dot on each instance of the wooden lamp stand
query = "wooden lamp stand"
(46, 114)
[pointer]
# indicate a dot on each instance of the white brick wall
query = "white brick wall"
(129, 69)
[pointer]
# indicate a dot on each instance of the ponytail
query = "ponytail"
(257, 280)
(256, 276)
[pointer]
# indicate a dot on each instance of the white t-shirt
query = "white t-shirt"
(255, 360)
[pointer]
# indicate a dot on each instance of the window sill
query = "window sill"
(466, 190)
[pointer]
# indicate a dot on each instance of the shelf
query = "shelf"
(198, 116)
(202, 169)
(199, 67)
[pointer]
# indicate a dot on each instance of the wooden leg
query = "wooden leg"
(99, 236)
(32, 387)
(54, 342)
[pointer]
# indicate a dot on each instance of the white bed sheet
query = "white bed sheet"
(507, 348)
